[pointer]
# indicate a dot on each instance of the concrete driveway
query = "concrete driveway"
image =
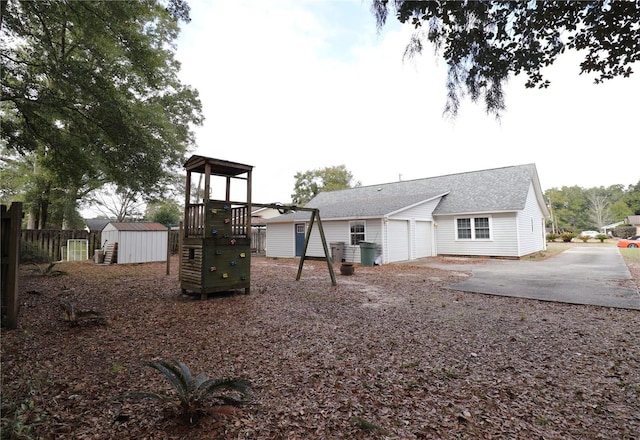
(581, 275)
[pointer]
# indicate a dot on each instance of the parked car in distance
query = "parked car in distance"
(590, 234)
(631, 242)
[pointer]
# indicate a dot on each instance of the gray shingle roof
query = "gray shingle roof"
(493, 190)
(138, 226)
(97, 224)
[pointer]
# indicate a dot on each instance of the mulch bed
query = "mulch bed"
(388, 353)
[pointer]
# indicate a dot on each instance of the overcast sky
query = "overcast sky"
(291, 86)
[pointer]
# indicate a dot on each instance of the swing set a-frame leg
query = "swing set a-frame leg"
(315, 215)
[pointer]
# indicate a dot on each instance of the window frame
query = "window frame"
(474, 228)
(353, 234)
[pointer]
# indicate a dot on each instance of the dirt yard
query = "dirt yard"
(388, 353)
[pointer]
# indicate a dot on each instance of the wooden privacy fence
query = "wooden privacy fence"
(52, 240)
(258, 240)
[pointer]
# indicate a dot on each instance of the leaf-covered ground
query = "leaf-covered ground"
(387, 353)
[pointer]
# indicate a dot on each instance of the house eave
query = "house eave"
(324, 219)
(502, 211)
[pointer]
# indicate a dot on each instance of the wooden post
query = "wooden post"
(180, 227)
(326, 249)
(10, 237)
(207, 183)
(306, 243)
(187, 199)
(248, 230)
(168, 248)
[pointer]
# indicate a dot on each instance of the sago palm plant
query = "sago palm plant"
(191, 393)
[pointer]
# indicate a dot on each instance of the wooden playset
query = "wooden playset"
(215, 250)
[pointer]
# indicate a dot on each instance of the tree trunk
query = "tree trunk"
(44, 207)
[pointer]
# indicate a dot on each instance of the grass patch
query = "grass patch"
(412, 364)
(630, 255)
(366, 425)
(543, 421)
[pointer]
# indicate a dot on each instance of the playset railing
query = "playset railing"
(195, 222)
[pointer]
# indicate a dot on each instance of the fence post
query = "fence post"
(168, 248)
(11, 221)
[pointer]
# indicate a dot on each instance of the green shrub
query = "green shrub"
(624, 231)
(47, 271)
(601, 237)
(19, 421)
(191, 393)
(552, 236)
(584, 238)
(567, 236)
(31, 252)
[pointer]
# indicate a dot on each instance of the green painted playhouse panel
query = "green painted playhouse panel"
(226, 265)
(224, 259)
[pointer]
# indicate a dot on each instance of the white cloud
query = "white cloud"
(289, 86)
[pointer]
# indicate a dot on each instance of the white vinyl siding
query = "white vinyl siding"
(531, 232)
(281, 240)
(503, 242)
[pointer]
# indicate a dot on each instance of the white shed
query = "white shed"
(137, 242)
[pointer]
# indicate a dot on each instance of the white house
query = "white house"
(497, 212)
(137, 242)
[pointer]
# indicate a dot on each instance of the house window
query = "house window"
(300, 228)
(464, 228)
(473, 228)
(481, 226)
(356, 232)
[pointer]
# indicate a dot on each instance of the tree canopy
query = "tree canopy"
(576, 209)
(168, 212)
(310, 183)
(484, 42)
(90, 94)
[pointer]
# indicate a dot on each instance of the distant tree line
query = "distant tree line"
(576, 209)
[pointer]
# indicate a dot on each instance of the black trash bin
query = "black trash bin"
(367, 253)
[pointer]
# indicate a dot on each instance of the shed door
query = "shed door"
(300, 233)
(398, 240)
